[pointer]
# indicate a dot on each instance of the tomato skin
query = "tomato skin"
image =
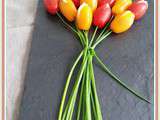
(138, 0)
(102, 15)
(139, 8)
(110, 2)
(51, 6)
(120, 6)
(92, 3)
(122, 22)
(68, 9)
(77, 3)
(84, 17)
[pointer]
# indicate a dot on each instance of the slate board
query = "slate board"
(53, 50)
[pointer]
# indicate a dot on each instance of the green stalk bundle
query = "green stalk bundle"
(84, 86)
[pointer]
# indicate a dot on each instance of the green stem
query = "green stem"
(85, 33)
(104, 29)
(81, 96)
(81, 40)
(94, 34)
(97, 104)
(74, 30)
(87, 93)
(73, 95)
(93, 105)
(83, 105)
(67, 85)
(65, 23)
(82, 37)
(101, 39)
(102, 36)
(119, 81)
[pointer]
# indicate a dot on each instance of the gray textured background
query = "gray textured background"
(53, 50)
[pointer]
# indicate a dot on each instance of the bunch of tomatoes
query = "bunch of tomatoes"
(107, 16)
(99, 12)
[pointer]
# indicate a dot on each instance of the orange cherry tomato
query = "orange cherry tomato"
(68, 9)
(92, 3)
(122, 22)
(84, 17)
(120, 6)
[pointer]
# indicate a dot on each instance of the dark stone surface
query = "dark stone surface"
(53, 50)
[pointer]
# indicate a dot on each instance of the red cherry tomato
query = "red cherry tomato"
(110, 2)
(138, 0)
(51, 6)
(138, 8)
(76, 3)
(102, 15)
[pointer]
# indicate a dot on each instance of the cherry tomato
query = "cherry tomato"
(120, 6)
(102, 15)
(51, 6)
(138, 0)
(92, 3)
(138, 8)
(77, 3)
(110, 2)
(68, 9)
(122, 22)
(84, 17)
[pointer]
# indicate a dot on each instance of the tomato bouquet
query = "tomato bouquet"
(106, 16)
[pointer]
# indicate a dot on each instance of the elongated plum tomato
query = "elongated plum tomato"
(110, 2)
(138, 8)
(102, 15)
(120, 6)
(77, 3)
(51, 6)
(122, 22)
(84, 17)
(68, 9)
(92, 3)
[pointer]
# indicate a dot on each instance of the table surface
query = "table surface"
(129, 55)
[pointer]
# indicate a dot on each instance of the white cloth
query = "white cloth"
(20, 16)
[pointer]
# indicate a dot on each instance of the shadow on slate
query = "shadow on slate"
(53, 50)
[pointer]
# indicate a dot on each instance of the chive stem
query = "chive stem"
(119, 81)
(65, 23)
(101, 39)
(67, 85)
(93, 36)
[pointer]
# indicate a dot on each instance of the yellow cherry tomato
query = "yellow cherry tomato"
(92, 3)
(68, 9)
(84, 17)
(122, 22)
(120, 6)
